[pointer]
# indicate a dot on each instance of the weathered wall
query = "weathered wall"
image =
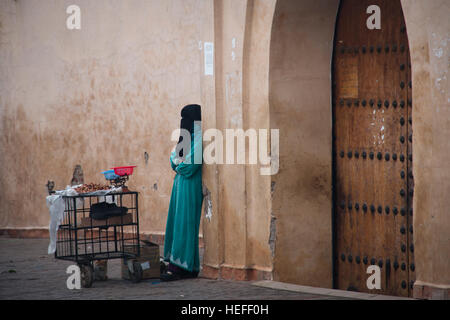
(231, 24)
(428, 30)
(300, 106)
(237, 242)
(256, 115)
(100, 97)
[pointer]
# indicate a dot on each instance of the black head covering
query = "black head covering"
(192, 112)
(189, 114)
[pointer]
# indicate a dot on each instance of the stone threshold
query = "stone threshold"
(324, 291)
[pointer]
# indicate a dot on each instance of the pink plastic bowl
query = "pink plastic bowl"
(124, 171)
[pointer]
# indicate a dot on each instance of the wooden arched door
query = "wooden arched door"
(372, 146)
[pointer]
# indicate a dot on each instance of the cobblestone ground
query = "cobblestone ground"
(27, 272)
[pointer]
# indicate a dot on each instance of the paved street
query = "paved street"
(27, 272)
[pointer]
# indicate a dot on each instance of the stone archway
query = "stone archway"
(283, 52)
(300, 105)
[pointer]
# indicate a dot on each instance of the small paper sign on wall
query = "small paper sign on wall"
(209, 58)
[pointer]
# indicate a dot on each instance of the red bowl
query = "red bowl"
(124, 171)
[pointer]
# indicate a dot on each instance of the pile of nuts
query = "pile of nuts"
(90, 187)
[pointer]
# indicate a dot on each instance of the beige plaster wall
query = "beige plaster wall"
(300, 106)
(256, 115)
(237, 235)
(231, 16)
(428, 30)
(100, 97)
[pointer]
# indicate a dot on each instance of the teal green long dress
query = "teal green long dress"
(183, 220)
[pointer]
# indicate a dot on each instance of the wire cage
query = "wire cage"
(83, 239)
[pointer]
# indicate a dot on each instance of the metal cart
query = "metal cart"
(83, 240)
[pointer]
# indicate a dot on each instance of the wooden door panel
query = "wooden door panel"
(371, 130)
(372, 149)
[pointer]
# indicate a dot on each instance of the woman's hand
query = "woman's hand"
(176, 159)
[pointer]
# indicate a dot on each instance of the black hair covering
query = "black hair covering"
(189, 114)
(185, 124)
(192, 112)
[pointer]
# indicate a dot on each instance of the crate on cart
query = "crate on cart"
(83, 239)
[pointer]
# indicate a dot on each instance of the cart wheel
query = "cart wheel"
(100, 270)
(136, 275)
(87, 275)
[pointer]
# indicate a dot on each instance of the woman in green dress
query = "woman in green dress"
(183, 220)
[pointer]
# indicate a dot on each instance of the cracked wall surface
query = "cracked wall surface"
(107, 95)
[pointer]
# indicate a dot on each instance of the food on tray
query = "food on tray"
(91, 187)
